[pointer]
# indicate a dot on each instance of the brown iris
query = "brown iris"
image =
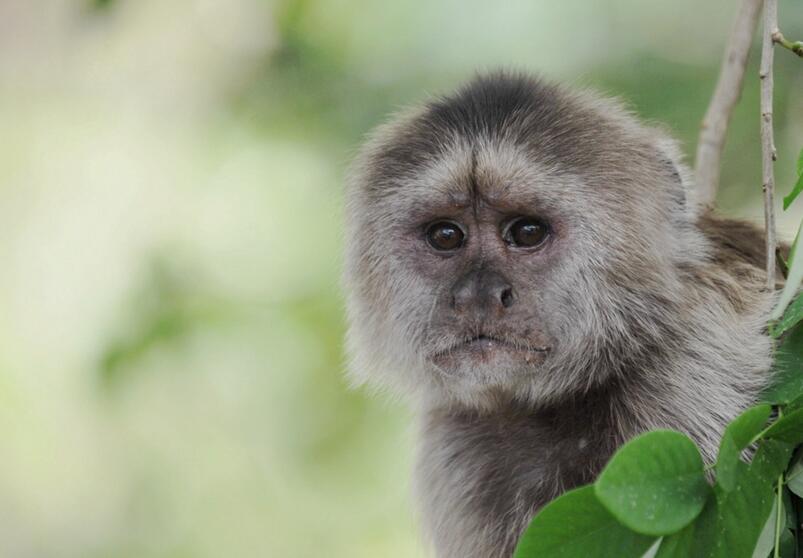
(445, 236)
(527, 232)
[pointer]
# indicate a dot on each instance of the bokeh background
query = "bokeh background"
(171, 176)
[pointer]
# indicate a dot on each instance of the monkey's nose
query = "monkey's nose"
(482, 290)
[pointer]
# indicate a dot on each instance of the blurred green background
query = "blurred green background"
(171, 176)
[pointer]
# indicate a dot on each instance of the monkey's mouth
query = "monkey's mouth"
(488, 348)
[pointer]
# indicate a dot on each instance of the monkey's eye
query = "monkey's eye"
(445, 236)
(527, 232)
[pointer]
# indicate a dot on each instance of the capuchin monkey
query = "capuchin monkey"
(528, 265)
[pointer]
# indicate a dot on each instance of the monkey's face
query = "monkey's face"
(494, 254)
(468, 257)
(479, 248)
(485, 258)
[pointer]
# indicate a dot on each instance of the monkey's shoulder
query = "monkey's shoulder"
(734, 240)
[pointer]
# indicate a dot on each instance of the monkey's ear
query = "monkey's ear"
(681, 179)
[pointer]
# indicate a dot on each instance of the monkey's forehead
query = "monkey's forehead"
(499, 174)
(506, 124)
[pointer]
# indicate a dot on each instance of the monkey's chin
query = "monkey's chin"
(487, 362)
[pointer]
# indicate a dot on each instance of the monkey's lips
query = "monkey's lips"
(489, 350)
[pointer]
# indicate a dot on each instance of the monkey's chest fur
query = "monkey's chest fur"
(482, 477)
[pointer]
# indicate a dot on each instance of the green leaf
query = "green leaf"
(793, 279)
(789, 428)
(787, 544)
(794, 404)
(791, 317)
(736, 437)
(654, 484)
(766, 541)
(741, 515)
(789, 519)
(576, 524)
(742, 512)
(794, 478)
(787, 382)
(696, 540)
(771, 459)
(795, 482)
(788, 199)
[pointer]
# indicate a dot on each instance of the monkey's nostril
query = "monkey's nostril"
(507, 297)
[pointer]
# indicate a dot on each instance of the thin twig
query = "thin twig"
(794, 46)
(726, 95)
(767, 141)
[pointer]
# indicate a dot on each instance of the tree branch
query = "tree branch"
(767, 141)
(794, 46)
(726, 94)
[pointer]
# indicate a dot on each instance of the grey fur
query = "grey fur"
(652, 313)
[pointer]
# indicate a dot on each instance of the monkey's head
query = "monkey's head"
(513, 240)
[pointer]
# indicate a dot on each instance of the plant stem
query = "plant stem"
(767, 141)
(794, 46)
(726, 94)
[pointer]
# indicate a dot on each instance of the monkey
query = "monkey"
(528, 266)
